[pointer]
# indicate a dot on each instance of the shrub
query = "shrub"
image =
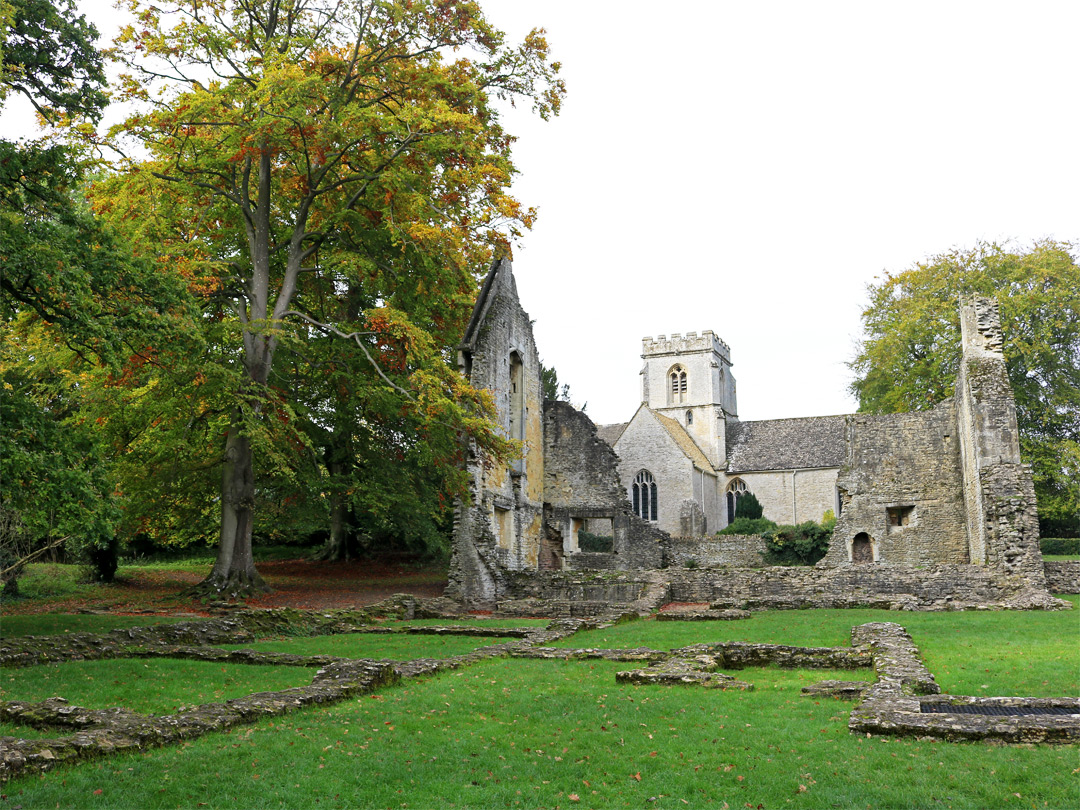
(759, 525)
(747, 506)
(804, 544)
(595, 542)
(1060, 545)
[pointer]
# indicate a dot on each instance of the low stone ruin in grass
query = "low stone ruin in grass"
(905, 700)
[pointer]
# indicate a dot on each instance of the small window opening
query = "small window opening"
(689, 417)
(899, 516)
(504, 527)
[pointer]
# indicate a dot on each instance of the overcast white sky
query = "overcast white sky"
(749, 167)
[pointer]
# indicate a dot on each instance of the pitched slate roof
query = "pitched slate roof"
(786, 444)
(682, 438)
(611, 433)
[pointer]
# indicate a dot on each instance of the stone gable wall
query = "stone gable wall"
(646, 445)
(502, 527)
(581, 477)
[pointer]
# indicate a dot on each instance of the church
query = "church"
(685, 458)
(943, 487)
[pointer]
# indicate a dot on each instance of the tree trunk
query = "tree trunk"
(338, 466)
(337, 547)
(234, 573)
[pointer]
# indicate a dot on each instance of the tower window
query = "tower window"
(644, 496)
(677, 376)
(689, 417)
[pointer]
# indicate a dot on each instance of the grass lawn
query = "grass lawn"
(524, 733)
(51, 624)
(549, 733)
(155, 685)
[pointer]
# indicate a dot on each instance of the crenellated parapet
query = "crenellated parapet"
(690, 343)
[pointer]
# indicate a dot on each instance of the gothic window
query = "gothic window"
(643, 493)
(689, 417)
(735, 490)
(677, 377)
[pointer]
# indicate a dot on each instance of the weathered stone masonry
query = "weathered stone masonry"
(935, 509)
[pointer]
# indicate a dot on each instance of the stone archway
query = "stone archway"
(862, 549)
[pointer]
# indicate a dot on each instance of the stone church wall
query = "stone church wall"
(814, 492)
(646, 445)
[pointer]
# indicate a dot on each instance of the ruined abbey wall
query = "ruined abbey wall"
(901, 488)
(502, 527)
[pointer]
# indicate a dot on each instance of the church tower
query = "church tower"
(688, 378)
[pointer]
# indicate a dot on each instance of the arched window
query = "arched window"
(677, 377)
(644, 496)
(689, 417)
(735, 490)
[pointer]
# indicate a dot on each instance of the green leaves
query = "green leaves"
(48, 55)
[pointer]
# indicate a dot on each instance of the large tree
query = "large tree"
(312, 150)
(910, 352)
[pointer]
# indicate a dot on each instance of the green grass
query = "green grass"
(525, 733)
(547, 733)
(27, 732)
(1061, 556)
(51, 624)
(471, 622)
(372, 645)
(42, 581)
(154, 685)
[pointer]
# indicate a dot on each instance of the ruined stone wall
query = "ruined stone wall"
(502, 528)
(814, 492)
(582, 490)
(894, 587)
(1062, 576)
(910, 463)
(739, 550)
(1002, 524)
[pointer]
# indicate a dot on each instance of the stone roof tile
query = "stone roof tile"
(786, 444)
(685, 442)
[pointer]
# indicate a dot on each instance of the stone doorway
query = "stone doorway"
(862, 551)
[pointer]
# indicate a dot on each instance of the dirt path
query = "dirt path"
(296, 583)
